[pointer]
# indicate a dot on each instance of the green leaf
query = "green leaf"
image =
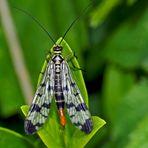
(116, 84)
(81, 139)
(53, 135)
(127, 47)
(131, 2)
(101, 12)
(138, 138)
(11, 139)
(132, 109)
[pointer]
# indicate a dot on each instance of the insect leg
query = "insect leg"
(69, 58)
(76, 68)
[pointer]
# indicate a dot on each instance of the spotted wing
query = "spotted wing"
(40, 107)
(76, 108)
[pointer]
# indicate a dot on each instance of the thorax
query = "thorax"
(57, 58)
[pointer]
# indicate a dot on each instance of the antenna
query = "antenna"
(35, 20)
(76, 19)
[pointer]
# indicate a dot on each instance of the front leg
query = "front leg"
(70, 58)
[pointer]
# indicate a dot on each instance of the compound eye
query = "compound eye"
(57, 48)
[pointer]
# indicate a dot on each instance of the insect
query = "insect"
(58, 83)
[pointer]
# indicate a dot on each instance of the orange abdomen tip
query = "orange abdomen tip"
(62, 117)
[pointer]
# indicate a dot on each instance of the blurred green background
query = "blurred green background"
(111, 43)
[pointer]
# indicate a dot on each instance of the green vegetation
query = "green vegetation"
(110, 41)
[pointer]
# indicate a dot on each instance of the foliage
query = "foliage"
(11, 139)
(68, 137)
(110, 41)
